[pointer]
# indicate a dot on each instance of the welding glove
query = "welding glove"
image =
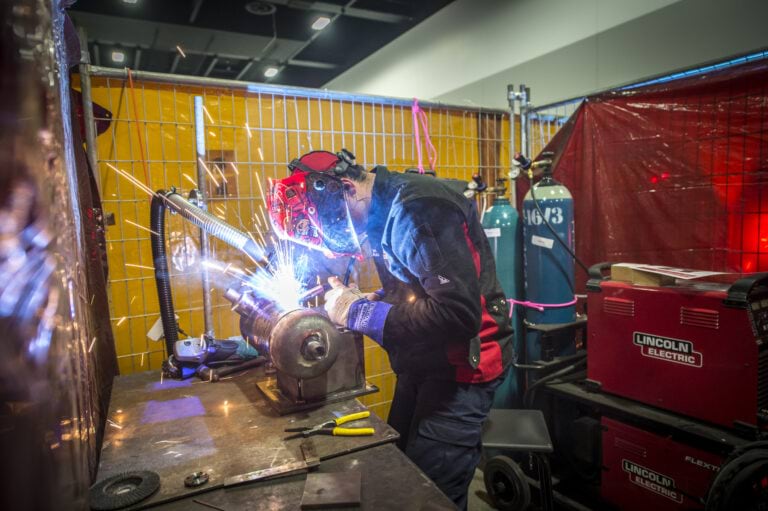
(339, 300)
(376, 296)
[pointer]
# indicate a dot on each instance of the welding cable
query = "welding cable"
(213, 374)
(213, 225)
(528, 394)
(162, 275)
(138, 130)
(350, 267)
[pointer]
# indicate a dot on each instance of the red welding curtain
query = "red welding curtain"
(673, 173)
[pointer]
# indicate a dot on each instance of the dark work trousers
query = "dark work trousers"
(440, 423)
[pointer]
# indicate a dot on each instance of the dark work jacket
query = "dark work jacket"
(449, 317)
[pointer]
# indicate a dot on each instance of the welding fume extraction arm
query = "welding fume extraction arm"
(162, 201)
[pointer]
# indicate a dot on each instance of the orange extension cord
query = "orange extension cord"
(138, 131)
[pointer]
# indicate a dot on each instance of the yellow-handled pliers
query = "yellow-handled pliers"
(332, 427)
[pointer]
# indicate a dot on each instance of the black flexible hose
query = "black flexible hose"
(350, 267)
(162, 275)
(211, 374)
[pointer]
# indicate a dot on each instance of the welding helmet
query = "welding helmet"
(308, 207)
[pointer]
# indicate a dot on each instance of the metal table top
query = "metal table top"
(389, 481)
(225, 428)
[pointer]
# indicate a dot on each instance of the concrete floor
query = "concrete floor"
(477, 496)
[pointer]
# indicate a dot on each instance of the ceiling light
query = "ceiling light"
(118, 56)
(321, 22)
(270, 71)
(130, 1)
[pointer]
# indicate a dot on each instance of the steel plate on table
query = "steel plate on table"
(389, 480)
(335, 489)
(224, 429)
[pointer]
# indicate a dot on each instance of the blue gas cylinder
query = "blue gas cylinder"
(504, 232)
(548, 267)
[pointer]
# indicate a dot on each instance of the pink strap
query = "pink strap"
(539, 306)
(419, 115)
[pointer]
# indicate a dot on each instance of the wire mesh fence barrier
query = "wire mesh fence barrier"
(544, 122)
(148, 138)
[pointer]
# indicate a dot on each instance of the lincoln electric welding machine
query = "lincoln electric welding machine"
(694, 347)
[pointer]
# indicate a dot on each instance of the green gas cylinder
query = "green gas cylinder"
(504, 232)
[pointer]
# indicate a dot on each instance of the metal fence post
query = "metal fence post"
(511, 98)
(205, 247)
(525, 121)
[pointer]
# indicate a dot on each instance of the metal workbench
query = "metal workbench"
(389, 481)
(226, 428)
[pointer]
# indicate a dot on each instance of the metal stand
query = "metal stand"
(283, 405)
(344, 380)
(517, 431)
(545, 480)
(205, 245)
(523, 97)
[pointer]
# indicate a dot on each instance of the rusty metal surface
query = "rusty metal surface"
(224, 429)
(390, 481)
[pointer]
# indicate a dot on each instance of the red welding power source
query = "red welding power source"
(696, 348)
(642, 470)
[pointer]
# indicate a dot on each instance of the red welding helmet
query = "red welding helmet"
(308, 207)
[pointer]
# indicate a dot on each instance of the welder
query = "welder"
(441, 314)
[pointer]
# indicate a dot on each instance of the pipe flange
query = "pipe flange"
(304, 344)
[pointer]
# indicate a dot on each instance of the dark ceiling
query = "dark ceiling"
(226, 39)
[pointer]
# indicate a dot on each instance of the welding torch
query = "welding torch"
(323, 288)
(314, 292)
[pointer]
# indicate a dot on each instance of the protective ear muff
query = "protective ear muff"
(346, 159)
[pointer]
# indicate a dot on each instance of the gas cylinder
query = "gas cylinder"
(548, 267)
(504, 232)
